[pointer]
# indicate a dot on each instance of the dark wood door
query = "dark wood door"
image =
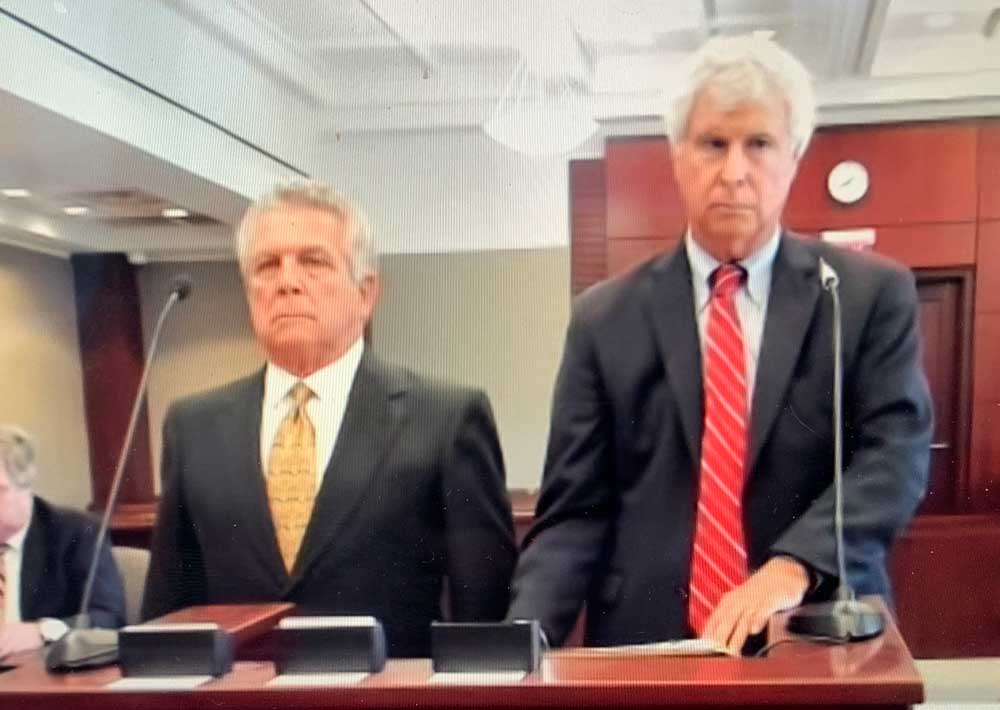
(945, 320)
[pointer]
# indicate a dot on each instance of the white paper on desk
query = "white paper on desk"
(679, 647)
(298, 680)
(174, 682)
(486, 678)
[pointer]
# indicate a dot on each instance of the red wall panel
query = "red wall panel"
(984, 470)
(988, 267)
(643, 199)
(941, 602)
(929, 246)
(989, 170)
(588, 263)
(987, 358)
(111, 355)
(920, 173)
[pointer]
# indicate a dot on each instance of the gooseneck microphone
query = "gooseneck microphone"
(83, 646)
(845, 618)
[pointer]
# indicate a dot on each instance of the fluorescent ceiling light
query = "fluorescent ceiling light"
(174, 213)
(15, 192)
(541, 115)
(547, 107)
(76, 210)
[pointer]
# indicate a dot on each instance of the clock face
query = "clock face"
(848, 182)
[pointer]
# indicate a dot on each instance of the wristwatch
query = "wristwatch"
(51, 629)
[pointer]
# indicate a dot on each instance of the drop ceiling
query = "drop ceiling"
(236, 88)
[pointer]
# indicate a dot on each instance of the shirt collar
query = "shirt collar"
(758, 265)
(16, 541)
(337, 376)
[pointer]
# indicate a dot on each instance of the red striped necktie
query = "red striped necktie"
(718, 558)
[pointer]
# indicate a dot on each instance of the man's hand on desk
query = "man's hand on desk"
(781, 583)
(21, 636)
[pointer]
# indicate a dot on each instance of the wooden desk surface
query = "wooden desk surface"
(876, 674)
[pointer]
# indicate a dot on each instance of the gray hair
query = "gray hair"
(313, 193)
(741, 69)
(17, 451)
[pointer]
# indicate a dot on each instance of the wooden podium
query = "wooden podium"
(872, 674)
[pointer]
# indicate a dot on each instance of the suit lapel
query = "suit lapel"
(371, 420)
(245, 474)
(670, 304)
(33, 564)
(792, 302)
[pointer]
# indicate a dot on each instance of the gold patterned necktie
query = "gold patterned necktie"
(291, 476)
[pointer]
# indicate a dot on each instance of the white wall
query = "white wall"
(450, 191)
(494, 320)
(42, 376)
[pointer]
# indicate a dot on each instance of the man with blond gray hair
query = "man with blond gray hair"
(688, 483)
(330, 478)
(45, 552)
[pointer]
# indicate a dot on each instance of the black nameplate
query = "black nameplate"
(175, 649)
(330, 644)
(478, 648)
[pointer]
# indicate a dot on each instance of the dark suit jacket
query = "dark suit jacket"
(57, 553)
(616, 513)
(414, 492)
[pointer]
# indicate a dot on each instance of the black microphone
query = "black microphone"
(82, 646)
(845, 618)
(180, 285)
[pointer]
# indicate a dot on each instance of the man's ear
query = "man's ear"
(371, 289)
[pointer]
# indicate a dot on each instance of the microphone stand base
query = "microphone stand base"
(82, 647)
(842, 620)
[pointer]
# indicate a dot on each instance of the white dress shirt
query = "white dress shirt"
(12, 567)
(751, 299)
(331, 387)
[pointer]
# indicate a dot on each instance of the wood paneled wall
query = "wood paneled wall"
(587, 209)
(111, 355)
(986, 400)
(920, 174)
(934, 202)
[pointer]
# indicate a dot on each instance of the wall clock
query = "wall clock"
(848, 182)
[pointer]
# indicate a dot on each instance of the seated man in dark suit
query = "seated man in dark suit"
(330, 478)
(688, 482)
(45, 552)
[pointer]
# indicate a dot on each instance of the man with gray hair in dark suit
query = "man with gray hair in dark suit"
(330, 478)
(688, 484)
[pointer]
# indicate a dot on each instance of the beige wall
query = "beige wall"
(206, 340)
(492, 319)
(42, 377)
